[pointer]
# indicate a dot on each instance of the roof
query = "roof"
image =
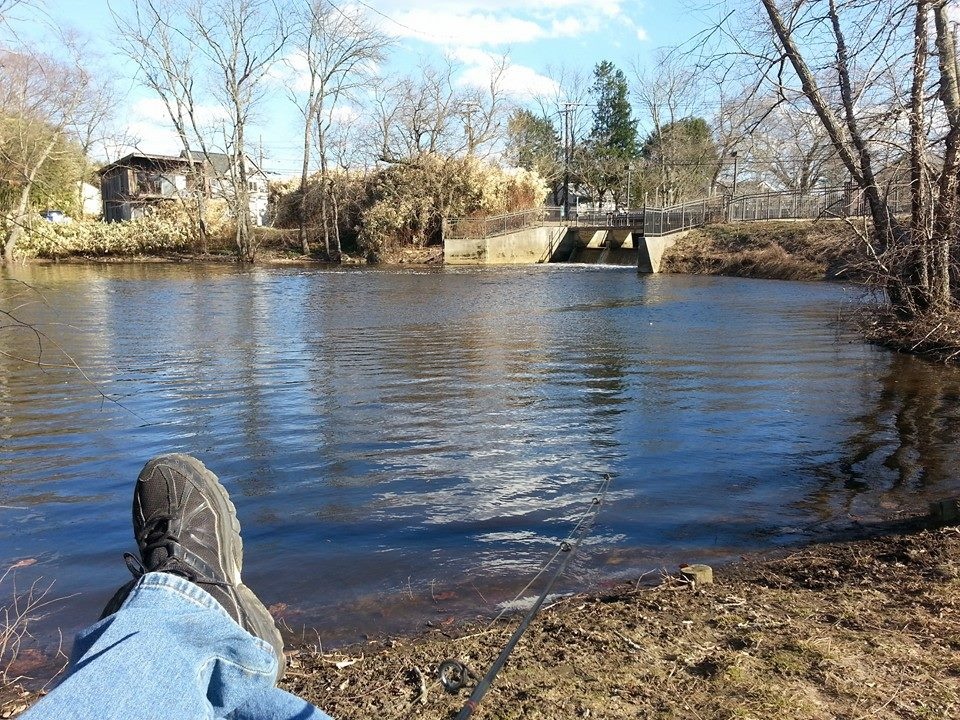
(221, 162)
(149, 157)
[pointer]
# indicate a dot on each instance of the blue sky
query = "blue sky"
(534, 33)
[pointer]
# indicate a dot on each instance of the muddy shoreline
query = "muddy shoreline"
(862, 626)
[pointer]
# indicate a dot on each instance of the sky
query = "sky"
(535, 34)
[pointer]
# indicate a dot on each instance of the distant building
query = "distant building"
(92, 202)
(139, 181)
(220, 172)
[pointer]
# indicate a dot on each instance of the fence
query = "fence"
(846, 201)
(502, 224)
(663, 221)
(622, 219)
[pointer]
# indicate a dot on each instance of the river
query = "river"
(406, 446)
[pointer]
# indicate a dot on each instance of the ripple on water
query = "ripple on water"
(394, 437)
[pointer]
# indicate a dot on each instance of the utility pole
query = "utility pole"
(566, 160)
(469, 108)
(629, 168)
(568, 142)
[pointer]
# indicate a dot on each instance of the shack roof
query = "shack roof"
(137, 158)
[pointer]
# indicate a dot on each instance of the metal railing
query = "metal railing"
(619, 219)
(483, 227)
(840, 202)
(677, 218)
(845, 201)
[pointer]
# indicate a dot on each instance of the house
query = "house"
(220, 172)
(90, 199)
(141, 180)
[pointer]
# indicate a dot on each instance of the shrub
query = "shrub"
(167, 228)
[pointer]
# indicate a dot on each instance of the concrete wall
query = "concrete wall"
(541, 244)
(524, 247)
(650, 251)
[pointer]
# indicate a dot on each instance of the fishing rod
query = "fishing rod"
(453, 673)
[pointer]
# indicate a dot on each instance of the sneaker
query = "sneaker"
(186, 525)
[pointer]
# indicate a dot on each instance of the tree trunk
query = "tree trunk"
(918, 200)
(242, 200)
(324, 192)
(12, 236)
(304, 177)
(945, 215)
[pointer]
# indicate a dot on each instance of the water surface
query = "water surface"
(403, 446)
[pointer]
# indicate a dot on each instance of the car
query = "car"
(56, 216)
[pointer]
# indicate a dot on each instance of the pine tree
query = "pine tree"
(614, 129)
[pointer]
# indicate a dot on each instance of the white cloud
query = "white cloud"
(292, 72)
(344, 114)
(478, 23)
(568, 27)
(518, 81)
(456, 27)
(151, 130)
(642, 34)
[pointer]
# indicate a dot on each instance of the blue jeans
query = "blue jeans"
(170, 653)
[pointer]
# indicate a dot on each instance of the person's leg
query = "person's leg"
(187, 639)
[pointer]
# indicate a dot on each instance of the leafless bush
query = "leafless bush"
(23, 608)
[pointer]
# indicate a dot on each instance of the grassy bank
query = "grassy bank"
(866, 628)
(778, 250)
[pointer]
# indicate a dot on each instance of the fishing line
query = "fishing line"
(454, 674)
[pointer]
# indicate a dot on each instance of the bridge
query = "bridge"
(637, 237)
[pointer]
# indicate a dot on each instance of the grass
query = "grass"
(776, 250)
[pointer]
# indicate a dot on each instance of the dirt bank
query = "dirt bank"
(826, 249)
(868, 628)
(860, 629)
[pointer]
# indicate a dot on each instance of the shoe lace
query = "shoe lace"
(156, 535)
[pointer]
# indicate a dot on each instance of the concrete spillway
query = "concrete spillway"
(626, 257)
(557, 243)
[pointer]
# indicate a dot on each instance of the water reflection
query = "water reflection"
(392, 437)
(905, 444)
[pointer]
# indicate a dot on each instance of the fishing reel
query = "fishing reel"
(454, 675)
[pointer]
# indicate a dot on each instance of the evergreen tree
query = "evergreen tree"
(614, 129)
(534, 144)
(681, 157)
(603, 158)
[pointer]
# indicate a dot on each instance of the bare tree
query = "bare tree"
(334, 49)
(787, 147)
(40, 102)
(153, 38)
(667, 94)
(188, 50)
(430, 113)
(864, 68)
(239, 40)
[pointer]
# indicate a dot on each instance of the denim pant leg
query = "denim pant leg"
(171, 651)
